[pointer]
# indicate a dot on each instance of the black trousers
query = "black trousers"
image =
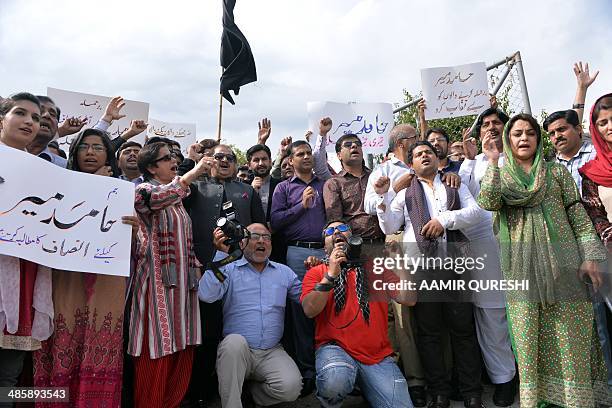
(435, 318)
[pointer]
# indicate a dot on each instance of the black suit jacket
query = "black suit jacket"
(206, 202)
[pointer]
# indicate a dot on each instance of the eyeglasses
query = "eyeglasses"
(349, 143)
(220, 156)
(340, 228)
(256, 236)
(165, 158)
(98, 148)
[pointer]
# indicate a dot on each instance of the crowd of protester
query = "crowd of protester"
(283, 308)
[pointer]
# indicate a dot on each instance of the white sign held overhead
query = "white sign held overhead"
(451, 92)
(371, 122)
(66, 220)
(91, 107)
(184, 133)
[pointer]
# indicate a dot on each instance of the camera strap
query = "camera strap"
(214, 266)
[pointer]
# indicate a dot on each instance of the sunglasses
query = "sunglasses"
(165, 158)
(220, 156)
(340, 228)
(349, 143)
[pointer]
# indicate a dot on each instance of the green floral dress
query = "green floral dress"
(546, 239)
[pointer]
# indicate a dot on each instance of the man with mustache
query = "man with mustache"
(259, 159)
(351, 311)
(565, 132)
(254, 293)
(344, 194)
(298, 211)
(206, 206)
(489, 306)
(439, 140)
(127, 160)
(435, 218)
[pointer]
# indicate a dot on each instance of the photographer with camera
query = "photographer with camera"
(351, 325)
(254, 291)
(206, 206)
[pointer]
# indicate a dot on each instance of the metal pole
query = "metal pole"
(406, 106)
(521, 75)
(506, 60)
(499, 83)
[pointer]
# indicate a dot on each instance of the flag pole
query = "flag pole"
(219, 118)
(220, 111)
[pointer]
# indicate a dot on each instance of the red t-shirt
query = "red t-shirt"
(366, 343)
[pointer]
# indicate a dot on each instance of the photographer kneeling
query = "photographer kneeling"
(254, 292)
(351, 338)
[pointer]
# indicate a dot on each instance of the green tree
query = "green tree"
(240, 155)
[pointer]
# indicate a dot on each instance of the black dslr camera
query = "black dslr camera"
(233, 230)
(353, 252)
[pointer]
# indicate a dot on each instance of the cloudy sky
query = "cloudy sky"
(167, 52)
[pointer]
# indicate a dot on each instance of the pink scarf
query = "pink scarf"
(599, 170)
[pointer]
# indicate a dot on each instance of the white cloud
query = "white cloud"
(167, 53)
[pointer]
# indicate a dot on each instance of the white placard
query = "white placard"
(455, 91)
(184, 133)
(62, 218)
(91, 107)
(372, 122)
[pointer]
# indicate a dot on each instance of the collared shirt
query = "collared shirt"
(343, 195)
(452, 167)
(585, 154)
(319, 157)
(472, 171)
(53, 158)
(253, 302)
(264, 194)
(395, 214)
(289, 216)
(392, 168)
(136, 181)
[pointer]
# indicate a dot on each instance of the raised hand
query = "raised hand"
(284, 145)
(381, 186)
(113, 110)
(136, 128)
(265, 128)
(70, 126)
(193, 152)
(325, 126)
(583, 77)
(470, 148)
(489, 148)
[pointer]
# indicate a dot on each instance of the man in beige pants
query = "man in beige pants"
(254, 292)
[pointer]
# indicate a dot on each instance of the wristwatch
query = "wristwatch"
(578, 106)
(323, 287)
(330, 278)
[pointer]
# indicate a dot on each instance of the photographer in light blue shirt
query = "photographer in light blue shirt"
(254, 295)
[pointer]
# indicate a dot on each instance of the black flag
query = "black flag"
(236, 55)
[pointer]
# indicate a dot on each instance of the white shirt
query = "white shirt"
(481, 233)
(472, 171)
(394, 169)
(395, 213)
